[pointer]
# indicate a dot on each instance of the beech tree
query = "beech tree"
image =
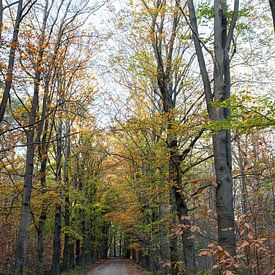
(223, 36)
(107, 149)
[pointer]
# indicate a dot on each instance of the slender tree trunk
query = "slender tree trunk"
(174, 257)
(57, 241)
(88, 243)
(65, 265)
(120, 244)
(58, 217)
(21, 243)
(9, 74)
(272, 7)
(83, 230)
(43, 214)
(68, 245)
(164, 248)
(114, 246)
(1, 21)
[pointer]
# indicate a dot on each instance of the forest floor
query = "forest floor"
(114, 266)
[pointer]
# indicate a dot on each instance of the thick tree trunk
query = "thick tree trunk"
(188, 244)
(222, 138)
(224, 193)
(77, 253)
(179, 208)
(105, 241)
(182, 212)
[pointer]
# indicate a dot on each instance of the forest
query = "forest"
(137, 129)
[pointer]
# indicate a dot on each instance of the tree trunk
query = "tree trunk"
(1, 20)
(105, 241)
(114, 246)
(174, 257)
(188, 244)
(56, 241)
(179, 207)
(83, 230)
(21, 243)
(272, 7)
(68, 253)
(221, 138)
(43, 214)
(88, 243)
(9, 74)
(77, 253)
(164, 249)
(57, 221)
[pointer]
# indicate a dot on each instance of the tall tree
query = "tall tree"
(223, 36)
(22, 10)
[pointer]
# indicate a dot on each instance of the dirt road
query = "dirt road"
(114, 266)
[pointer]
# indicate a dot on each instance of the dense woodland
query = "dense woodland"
(139, 129)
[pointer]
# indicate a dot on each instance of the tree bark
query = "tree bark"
(272, 8)
(164, 249)
(221, 138)
(88, 243)
(68, 253)
(9, 74)
(56, 241)
(43, 214)
(57, 221)
(21, 243)
(66, 250)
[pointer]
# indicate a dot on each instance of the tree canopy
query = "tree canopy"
(139, 129)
